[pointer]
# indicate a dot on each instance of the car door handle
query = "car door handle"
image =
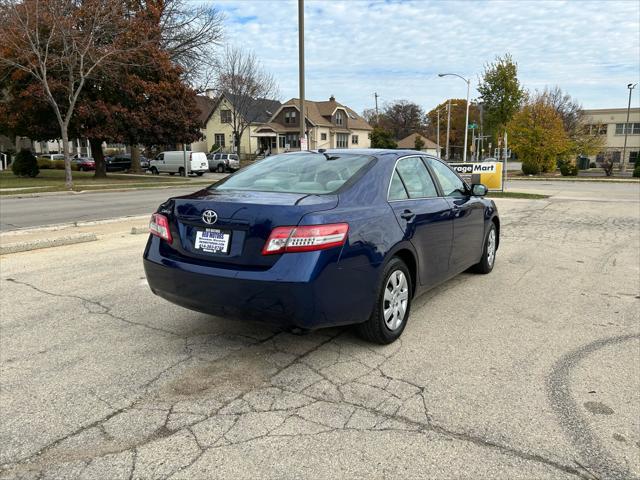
(408, 215)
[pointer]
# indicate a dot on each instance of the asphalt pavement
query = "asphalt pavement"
(530, 372)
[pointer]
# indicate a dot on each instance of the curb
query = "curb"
(97, 190)
(583, 179)
(46, 243)
(60, 226)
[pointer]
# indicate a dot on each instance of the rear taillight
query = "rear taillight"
(305, 238)
(159, 226)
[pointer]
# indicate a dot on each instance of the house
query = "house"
(329, 124)
(217, 119)
(428, 146)
(610, 122)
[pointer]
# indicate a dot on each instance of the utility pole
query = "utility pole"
(446, 156)
(438, 132)
(623, 162)
(377, 117)
(303, 133)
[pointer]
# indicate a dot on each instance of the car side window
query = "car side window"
(416, 178)
(396, 189)
(161, 156)
(452, 185)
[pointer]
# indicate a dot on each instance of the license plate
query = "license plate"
(212, 241)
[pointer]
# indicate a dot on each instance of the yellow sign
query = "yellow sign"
(487, 173)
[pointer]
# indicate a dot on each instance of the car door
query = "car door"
(468, 215)
(159, 163)
(424, 216)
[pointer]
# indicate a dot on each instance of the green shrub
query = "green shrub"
(530, 168)
(44, 163)
(568, 169)
(636, 169)
(25, 165)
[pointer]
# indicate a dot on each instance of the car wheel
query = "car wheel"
(393, 304)
(154, 171)
(199, 173)
(486, 263)
(172, 173)
(220, 169)
(181, 172)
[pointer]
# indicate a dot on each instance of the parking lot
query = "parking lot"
(530, 372)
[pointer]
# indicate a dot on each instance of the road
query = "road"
(18, 213)
(530, 372)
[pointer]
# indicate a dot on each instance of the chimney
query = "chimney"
(210, 92)
(332, 98)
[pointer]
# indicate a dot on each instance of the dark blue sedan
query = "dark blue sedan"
(322, 238)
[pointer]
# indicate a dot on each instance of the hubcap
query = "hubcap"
(491, 247)
(396, 299)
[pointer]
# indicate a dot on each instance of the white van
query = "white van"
(173, 162)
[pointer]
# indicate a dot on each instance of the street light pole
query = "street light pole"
(623, 164)
(448, 127)
(466, 122)
(438, 131)
(303, 134)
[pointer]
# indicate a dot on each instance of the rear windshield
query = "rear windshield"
(311, 173)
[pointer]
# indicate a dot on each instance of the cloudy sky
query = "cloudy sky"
(591, 49)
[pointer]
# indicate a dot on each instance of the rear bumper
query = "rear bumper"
(296, 291)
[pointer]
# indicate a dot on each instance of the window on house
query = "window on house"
(615, 156)
(354, 139)
(290, 116)
(632, 128)
(293, 140)
(323, 136)
(342, 140)
(219, 139)
(339, 119)
(633, 157)
(599, 129)
(225, 116)
(282, 140)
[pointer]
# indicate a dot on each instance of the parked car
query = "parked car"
(84, 163)
(318, 239)
(223, 162)
(123, 162)
(174, 162)
(52, 156)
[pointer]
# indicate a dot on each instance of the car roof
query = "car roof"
(383, 153)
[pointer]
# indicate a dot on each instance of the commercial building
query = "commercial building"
(612, 124)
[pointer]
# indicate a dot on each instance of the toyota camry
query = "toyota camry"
(322, 238)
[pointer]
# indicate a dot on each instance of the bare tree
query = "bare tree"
(62, 44)
(190, 34)
(248, 87)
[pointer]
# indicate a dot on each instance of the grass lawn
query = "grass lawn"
(53, 180)
(531, 196)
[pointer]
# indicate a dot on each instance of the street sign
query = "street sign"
(473, 126)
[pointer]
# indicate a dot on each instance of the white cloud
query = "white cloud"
(353, 48)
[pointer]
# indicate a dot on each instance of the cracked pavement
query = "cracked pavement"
(532, 371)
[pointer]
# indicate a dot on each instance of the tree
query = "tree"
(370, 116)
(62, 44)
(402, 118)
(537, 136)
(242, 79)
(458, 117)
(501, 93)
(381, 138)
(189, 34)
(583, 140)
(418, 144)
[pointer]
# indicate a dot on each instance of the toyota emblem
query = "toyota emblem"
(209, 217)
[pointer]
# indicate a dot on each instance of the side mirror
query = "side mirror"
(479, 190)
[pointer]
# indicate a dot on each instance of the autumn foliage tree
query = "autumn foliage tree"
(458, 117)
(537, 136)
(63, 44)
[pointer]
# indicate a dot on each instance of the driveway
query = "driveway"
(530, 372)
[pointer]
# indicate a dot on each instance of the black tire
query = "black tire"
(172, 173)
(181, 172)
(486, 263)
(220, 168)
(199, 173)
(154, 171)
(376, 329)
